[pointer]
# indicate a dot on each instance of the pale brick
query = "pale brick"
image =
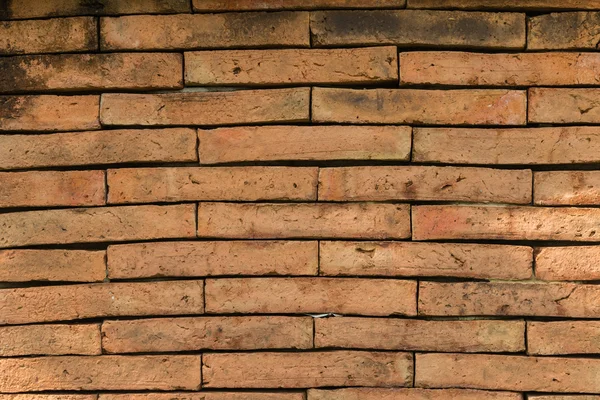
(563, 106)
(49, 340)
(541, 5)
(563, 337)
(408, 394)
(228, 5)
(569, 263)
(567, 187)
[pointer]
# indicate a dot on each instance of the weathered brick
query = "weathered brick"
(206, 108)
(302, 370)
(424, 183)
(374, 65)
(418, 28)
(412, 334)
(304, 220)
(52, 188)
(505, 223)
(314, 143)
(49, 340)
(199, 333)
(98, 147)
(481, 261)
(479, 69)
(500, 298)
(563, 337)
(206, 258)
(48, 396)
(562, 105)
(311, 295)
(164, 372)
(500, 372)
(567, 187)
(566, 397)
(84, 72)
(61, 303)
(205, 31)
(49, 113)
(52, 265)
(99, 224)
(148, 185)
(242, 5)
(68, 35)
(570, 263)
(201, 396)
(550, 145)
(565, 30)
(542, 5)
(420, 106)
(408, 394)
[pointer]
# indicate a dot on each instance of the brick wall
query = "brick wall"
(289, 199)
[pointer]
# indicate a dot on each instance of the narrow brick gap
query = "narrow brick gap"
(314, 333)
(318, 257)
(106, 188)
(310, 98)
(98, 35)
(201, 368)
(414, 369)
(525, 333)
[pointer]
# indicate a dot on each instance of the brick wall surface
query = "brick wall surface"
(300, 200)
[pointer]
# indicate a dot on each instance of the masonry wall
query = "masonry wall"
(286, 199)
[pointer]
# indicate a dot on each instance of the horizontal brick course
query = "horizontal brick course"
(563, 337)
(49, 340)
(202, 395)
(228, 5)
(408, 394)
(543, 5)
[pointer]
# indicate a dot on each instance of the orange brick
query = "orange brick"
(550, 145)
(199, 333)
(481, 261)
(566, 397)
(500, 372)
(418, 28)
(500, 298)
(479, 69)
(84, 72)
(562, 105)
(567, 187)
(51, 188)
(68, 35)
(374, 65)
(164, 372)
(149, 185)
(242, 5)
(200, 396)
(52, 265)
(570, 263)
(49, 113)
(505, 223)
(303, 220)
(412, 334)
(311, 295)
(408, 394)
(302, 370)
(205, 31)
(420, 106)
(48, 396)
(542, 5)
(61, 303)
(102, 224)
(206, 108)
(314, 143)
(422, 183)
(563, 337)
(98, 147)
(49, 340)
(565, 30)
(205, 258)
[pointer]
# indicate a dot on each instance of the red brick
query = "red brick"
(201, 396)
(500, 372)
(412, 334)
(102, 224)
(408, 394)
(479, 69)
(100, 147)
(149, 185)
(500, 298)
(311, 295)
(100, 373)
(49, 113)
(481, 261)
(567, 187)
(206, 108)
(313, 143)
(68, 35)
(565, 30)
(199, 333)
(542, 5)
(562, 105)
(51, 188)
(571, 263)
(423, 183)
(549, 145)
(84, 72)
(302, 370)
(242, 5)
(505, 223)
(49, 339)
(303, 220)
(418, 28)
(206, 258)
(61, 303)
(420, 106)
(52, 265)
(374, 65)
(563, 337)
(205, 31)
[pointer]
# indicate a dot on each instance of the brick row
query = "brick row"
(50, 339)
(542, 5)
(225, 5)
